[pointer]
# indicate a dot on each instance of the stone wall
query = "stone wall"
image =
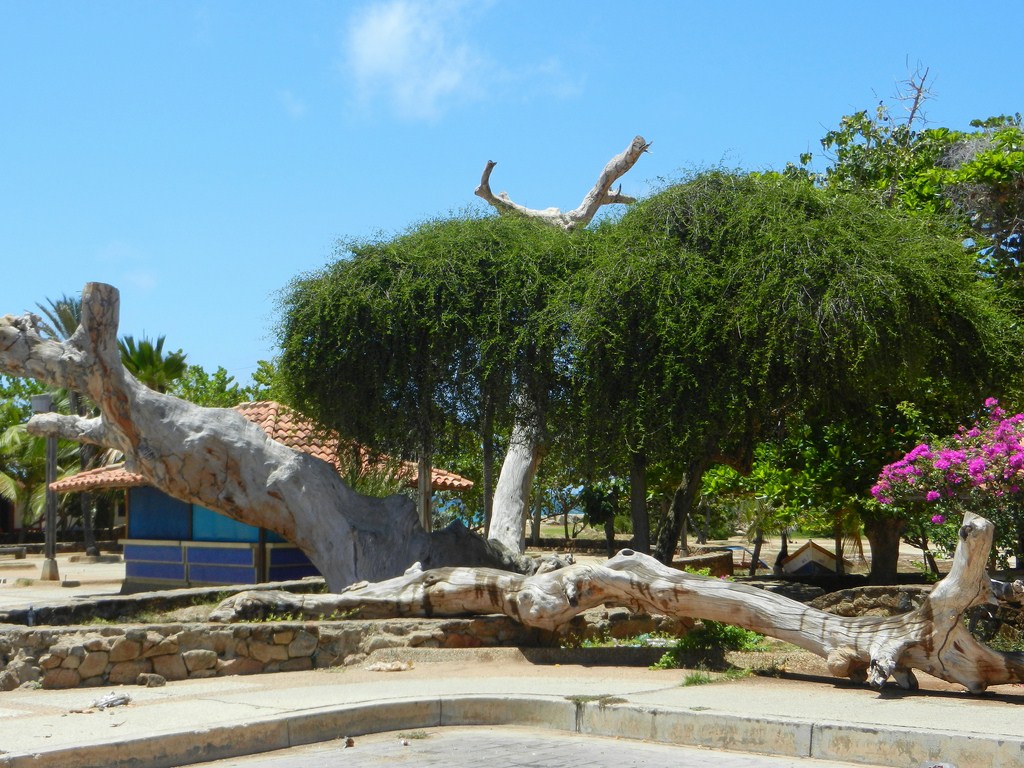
(718, 563)
(873, 601)
(68, 657)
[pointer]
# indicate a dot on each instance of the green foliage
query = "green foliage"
(371, 474)
(16, 399)
(698, 677)
(712, 635)
(709, 637)
(402, 343)
(23, 462)
(601, 501)
(61, 317)
(973, 178)
(216, 390)
(720, 311)
(146, 361)
(267, 383)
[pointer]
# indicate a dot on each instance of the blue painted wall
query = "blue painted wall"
(152, 514)
(154, 517)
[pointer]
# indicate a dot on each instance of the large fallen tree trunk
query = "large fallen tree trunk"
(217, 458)
(932, 638)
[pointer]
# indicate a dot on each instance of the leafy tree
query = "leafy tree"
(267, 383)
(600, 504)
(16, 398)
(413, 342)
(146, 361)
(23, 464)
(220, 390)
(975, 178)
(214, 390)
(639, 321)
(818, 303)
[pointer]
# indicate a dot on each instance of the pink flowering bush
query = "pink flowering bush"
(983, 461)
(980, 468)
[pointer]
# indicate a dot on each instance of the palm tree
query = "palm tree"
(23, 467)
(63, 316)
(147, 363)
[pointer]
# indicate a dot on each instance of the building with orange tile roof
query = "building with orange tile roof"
(171, 543)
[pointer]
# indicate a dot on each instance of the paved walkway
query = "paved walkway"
(20, 586)
(792, 717)
(201, 720)
(508, 747)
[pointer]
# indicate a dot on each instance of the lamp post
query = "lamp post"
(44, 404)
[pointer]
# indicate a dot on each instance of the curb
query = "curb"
(893, 747)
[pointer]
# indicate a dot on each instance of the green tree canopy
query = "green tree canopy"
(779, 298)
(975, 178)
(405, 342)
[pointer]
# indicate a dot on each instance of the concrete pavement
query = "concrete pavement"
(201, 720)
(194, 721)
(508, 747)
(80, 578)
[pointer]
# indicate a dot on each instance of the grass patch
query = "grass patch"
(704, 677)
(643, 640)
(413, 735)
(697, 678)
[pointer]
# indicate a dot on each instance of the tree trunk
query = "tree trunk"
(512, 495)
(638, 503)
(535, 523)
(756, 557)
(1018, 552)
(424, 491)
(86, 456)
(932, 638)
(783, 554)
(601, 193)
(216, 458)
(682, 502)
(884, 535)
(840, 567)
(488, 461)
(684, 543)
(609, 535)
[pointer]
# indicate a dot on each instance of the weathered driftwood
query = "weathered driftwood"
(601, 193)
(932, 638)
(217, 458)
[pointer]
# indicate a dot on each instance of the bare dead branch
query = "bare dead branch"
(601, 194)
(76, 428)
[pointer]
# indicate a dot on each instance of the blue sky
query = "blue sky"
(199, 155)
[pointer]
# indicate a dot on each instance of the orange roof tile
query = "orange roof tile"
(284, 425)
(110, 476)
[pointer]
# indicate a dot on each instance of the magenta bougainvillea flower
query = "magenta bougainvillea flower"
(987, 457)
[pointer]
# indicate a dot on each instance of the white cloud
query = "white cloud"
(414, 55)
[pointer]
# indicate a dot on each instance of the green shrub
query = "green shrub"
(711, 637)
